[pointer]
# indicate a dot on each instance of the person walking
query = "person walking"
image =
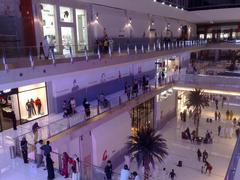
(125, 174)
(35, 128)
(108, 170)
(135, 176)
(24, 148)
(216, 115)
(199, 154)
(164, 174)
(219, 129)
(50, 169)
(219, 116)
(172, 174)
(65, 161)
(227, 114)
(205, 155)
(39, 153)
(208, 168)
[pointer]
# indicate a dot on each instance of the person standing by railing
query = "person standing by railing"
(24, 148)
(47, 149)
(39, 153)
(50, 168)
(35, 128)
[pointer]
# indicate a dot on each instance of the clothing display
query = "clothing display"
(30, 107)
(38, 103)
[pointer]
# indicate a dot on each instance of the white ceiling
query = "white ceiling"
(150, 7)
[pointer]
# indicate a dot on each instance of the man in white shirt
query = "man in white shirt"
(125, 174)
(39, 153)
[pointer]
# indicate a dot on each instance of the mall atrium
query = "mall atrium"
(119, 89)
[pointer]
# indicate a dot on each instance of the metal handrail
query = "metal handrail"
(233, 162)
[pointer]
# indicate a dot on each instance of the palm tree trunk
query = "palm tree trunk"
(198, 121)
(146, 170)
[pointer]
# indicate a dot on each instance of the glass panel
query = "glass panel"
(33, 104)
(67, 40)
(142, 116)
(81, 22)
(49, 23)
(66, 14)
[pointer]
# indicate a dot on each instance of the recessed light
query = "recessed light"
(163, 2)
(170, 5)
(176, 7)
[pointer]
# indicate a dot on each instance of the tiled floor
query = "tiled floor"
(219, 152)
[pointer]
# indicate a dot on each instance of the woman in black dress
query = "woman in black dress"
(50, 168)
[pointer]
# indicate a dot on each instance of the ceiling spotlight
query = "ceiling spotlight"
(163, 2)
(182, 9)
(170, 5)
(154, 0)
(176, 7)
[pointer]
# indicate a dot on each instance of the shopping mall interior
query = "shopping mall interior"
(103, 89)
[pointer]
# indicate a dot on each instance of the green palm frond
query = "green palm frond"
(197, 99)
(147, 145)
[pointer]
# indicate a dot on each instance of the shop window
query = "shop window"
(81, 23)
(32, 102)
(226, 35)
(201, 36)
(221, 35)
(234, 35)
(67, 40)
(49, 24)
(66, 14)
(8, 107)
(209, 35)
(143, 116)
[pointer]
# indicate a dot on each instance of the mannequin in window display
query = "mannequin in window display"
(33, 107)
(29, 108)
(38, 103)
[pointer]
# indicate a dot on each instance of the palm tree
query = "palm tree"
(146, 146)
(198, 101)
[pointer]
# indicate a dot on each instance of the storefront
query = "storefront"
(64, 26)
(143, 116)
(167, 65)
(27, 103)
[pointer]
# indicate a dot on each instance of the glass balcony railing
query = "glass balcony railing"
(15, 57)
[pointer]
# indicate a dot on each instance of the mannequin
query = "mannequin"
(29, 109)
(33, 107)
(38, 103)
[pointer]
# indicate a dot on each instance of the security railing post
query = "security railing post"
(4, 61)
(142, 48)
(128, 50)
(99, 53)
(71, 56)
(119, 50)
(120, 100)
(86, 53)
(30, 58)
(135, 49)
(110, 51)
